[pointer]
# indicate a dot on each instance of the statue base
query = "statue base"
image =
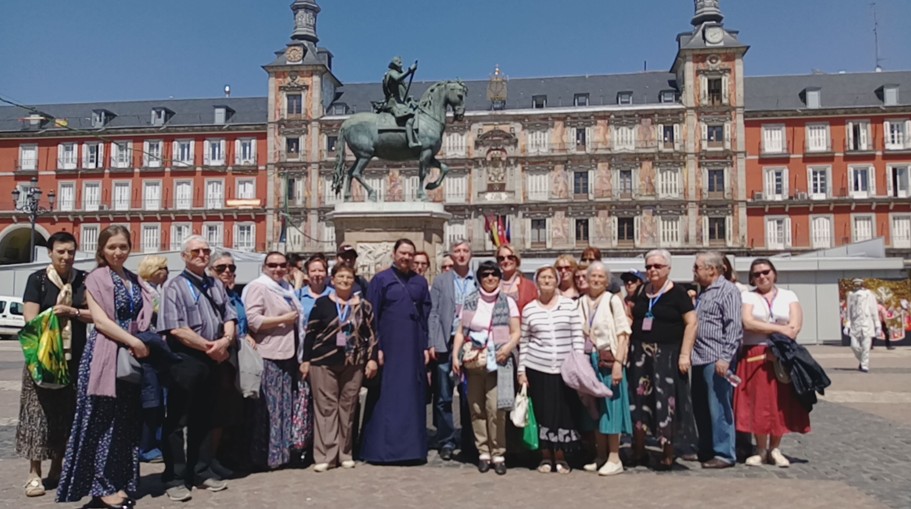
(373, 228)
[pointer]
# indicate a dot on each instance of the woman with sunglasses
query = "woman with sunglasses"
(514, 283)
(763, 405)
(222, 266)
(276, 322)
(664, 332)
(566, 267)
(488, 325)
(446, 264)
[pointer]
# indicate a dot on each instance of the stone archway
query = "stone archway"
(14, 241)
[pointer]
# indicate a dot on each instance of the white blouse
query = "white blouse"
(780, 312)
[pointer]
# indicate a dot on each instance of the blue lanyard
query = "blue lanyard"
(193, 291)
(344, 311)
(654, 300)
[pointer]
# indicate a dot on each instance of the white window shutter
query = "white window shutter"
(175, 151)
(222, 145)
(591, 184)
(192, 153)
(769, 183)
(145, 153)
(864, 134)
(785, 188)
(705, 230)
(550, 240)
(725, 96)
(208, 149)
(528, 232)
(660, 136)
(829, 182)
(59, 155)
(851, 179)
(727, 135)
(677, 140)
(704, 81)
(886, 138)
(85, 155)
(636, 225)
(237, 151)
(871, 172)
(705, 133)
(614, 226)
(889, 171)
(101, 162)
(809, 181)
(589, 137)
(728, 230)
(787, 232)
(907, 134)
(771, 232)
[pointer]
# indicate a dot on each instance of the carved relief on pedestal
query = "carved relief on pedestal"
(559, 188)
(373, 257)
(602, 181)
(395, 192)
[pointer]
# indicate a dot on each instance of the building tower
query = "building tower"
(709, 73)
(301, 89)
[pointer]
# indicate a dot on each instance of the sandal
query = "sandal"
(545, 467)
(563, 467)
(34, 487)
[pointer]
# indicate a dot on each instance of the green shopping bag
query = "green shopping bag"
(42, 345)
(530, 435)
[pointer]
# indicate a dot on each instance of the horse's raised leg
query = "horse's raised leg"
(357, 173)
(423, 171)
(443, 171)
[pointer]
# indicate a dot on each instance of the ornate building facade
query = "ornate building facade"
(696, 157)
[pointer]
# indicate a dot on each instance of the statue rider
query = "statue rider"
(397, 102)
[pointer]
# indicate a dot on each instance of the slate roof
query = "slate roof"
(849, 90)
(776, 93)
(138, 114)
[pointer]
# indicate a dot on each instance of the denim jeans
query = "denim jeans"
(714, 412)
(443, 388)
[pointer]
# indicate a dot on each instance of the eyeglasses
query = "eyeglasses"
(277, 265)
(489, 273)
(630, 282)
(229, 267)
(656, 266)
(201, 251)
(511, 258)
(446, 267)
(563, 267)
(588, 260)
(762, 272)
(579, 276)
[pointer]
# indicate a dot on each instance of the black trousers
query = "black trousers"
(194, 386)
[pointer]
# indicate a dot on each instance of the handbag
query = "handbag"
(530, 437)
(475, 359)
(781, 374)
(128, 368)
(519, 413)
(249, 370)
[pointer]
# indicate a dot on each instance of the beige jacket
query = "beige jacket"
(608, 322)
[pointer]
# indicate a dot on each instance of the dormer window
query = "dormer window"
(813, 97)
(539, 102)
(625, 97)
(668, 96)
(580, 100)
(160, 116)
(100, 118)
(339, 109)
(890, 95)
(222, 114)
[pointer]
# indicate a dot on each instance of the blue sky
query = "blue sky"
(93, 50)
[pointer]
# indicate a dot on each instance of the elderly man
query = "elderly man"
(447, 295)
(718, 336)
(199, 322)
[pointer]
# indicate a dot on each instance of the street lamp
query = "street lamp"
(32, 207)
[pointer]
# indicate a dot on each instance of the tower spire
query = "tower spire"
(305, 13)
(707, 10)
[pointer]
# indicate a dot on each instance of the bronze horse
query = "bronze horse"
(370, 135)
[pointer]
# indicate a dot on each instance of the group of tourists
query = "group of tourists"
(686, 367)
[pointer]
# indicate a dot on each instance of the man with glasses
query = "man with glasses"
(447, 295)
(200, 327)
(347, 255)
(719, 333)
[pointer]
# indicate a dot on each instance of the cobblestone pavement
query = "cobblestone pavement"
(857, 456)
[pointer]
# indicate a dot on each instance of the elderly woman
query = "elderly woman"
(763, 405)
(276, 322)
(446, 264)
(339, 351)
(46, 415)
(551, 330)
(317, 271)
(488, 329)
(102, 455)
(664, 332)
(153, 272)
(605, 325)
(222, 266)
(514, 284)
(566, 267)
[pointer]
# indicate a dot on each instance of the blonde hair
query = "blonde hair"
(512, 251)
(150, 265)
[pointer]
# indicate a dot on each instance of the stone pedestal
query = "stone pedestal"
(373, 228)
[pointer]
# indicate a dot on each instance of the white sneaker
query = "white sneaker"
(754, 461)
(348, 464)
(778, 459)
(611, 469)
(320, 467)
(591, 467)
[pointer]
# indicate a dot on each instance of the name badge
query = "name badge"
(341, 339)
(647, 323)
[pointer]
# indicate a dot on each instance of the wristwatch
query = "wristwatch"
(77, 312)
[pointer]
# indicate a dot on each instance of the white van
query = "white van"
(11, 319)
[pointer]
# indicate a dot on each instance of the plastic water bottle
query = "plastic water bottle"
(732, 378)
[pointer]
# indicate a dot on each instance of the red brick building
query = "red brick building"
(163, 169)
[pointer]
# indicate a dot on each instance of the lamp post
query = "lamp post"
(32, 207)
